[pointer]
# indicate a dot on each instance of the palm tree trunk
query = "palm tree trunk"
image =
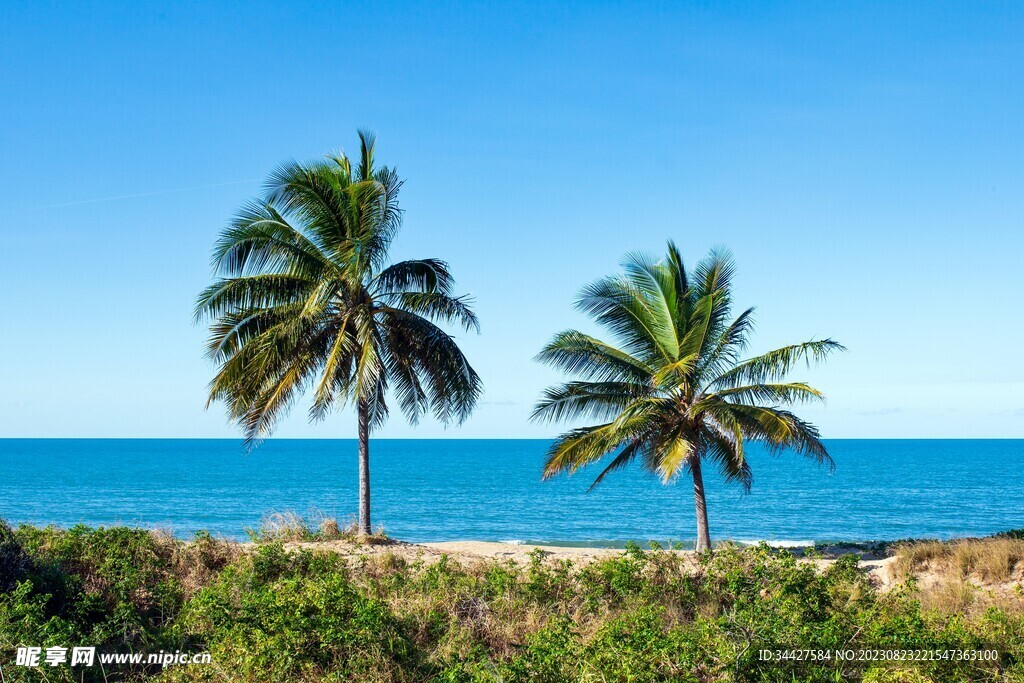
(703, 534)
(364, 467)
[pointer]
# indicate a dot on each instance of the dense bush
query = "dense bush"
(274, 615)
(14, 561)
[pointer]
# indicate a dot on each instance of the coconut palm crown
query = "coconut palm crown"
(673, 391)
(305, 301)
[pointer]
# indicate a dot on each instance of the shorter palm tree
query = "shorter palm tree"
(673, 390)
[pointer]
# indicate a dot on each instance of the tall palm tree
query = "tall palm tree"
(304, 301)
(672, 390)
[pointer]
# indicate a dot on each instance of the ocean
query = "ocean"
(458, 489)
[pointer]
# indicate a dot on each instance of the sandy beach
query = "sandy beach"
(879, 569)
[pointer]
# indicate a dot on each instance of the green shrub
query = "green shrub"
(289, 617)
(14, 561)
(267, 613)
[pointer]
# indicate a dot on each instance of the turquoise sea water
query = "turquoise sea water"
(430, 490)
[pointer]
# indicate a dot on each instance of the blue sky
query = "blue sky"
(862, 161)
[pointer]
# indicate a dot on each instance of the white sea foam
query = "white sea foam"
(513, 541)
(775, 542)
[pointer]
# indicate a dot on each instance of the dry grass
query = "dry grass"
(1000, 559)
(964, 598)
(950, 597)
(329, 529)
(967, 576)
(985, 560)
(282, 526)
(378, 537)
(291, 527)
(196, 564)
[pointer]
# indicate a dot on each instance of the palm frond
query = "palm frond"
(579, 447)
(726, 349)
(233, 330)
(367, 143)
(422, 275)
(774, 365)
(336, 375)
(777, 393)
(435, 306)
(618, 305)
(670, 455)
(580, 354)
(249, 292)
(656, 290)
(317, 196)
(593, 400)
(259, 240)
(726, 451)
(621, 460)
(449, 381)
(714, 273)
(775, 428)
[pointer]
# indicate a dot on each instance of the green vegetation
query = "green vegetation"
(305, 300)
(672, 389)
(267, 614)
